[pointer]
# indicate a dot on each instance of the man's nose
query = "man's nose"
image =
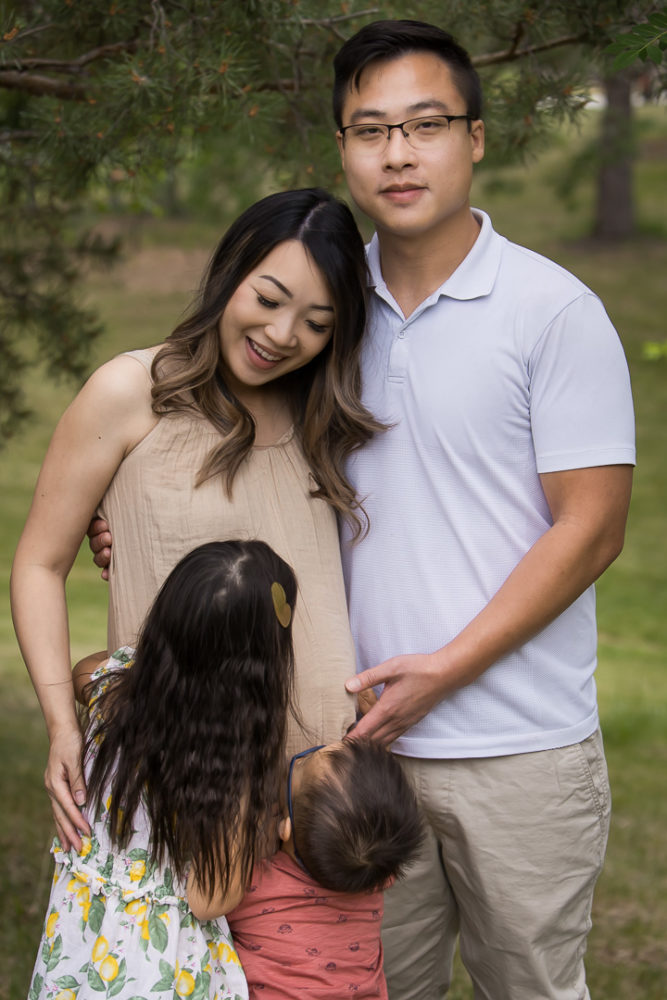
(398, 152)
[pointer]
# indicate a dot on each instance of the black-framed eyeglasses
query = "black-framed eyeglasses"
(418, 132)
(297, 756)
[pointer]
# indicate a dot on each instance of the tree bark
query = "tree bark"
(615, 208)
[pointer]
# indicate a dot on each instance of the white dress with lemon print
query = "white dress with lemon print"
(119, 926)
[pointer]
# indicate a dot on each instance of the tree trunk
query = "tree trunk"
(615, 209)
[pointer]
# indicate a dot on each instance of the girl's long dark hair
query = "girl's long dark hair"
(325, 395)
(196, 728)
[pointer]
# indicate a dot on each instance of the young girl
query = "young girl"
(184, 752)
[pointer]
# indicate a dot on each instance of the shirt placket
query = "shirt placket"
(398, 352)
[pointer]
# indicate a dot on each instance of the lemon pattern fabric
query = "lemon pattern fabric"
(119, 926)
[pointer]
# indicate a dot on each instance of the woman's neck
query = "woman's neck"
(271, 411)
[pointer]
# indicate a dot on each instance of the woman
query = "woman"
(237, 426)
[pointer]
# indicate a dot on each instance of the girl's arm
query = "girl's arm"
(110, 415)
(220, 904)
(83, 671)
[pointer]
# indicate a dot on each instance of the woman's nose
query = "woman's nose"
(281, 332)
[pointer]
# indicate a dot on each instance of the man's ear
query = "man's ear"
(285, 829)
(341, 147)
(477, 140)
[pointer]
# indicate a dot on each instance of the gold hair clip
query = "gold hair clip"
(281, 607)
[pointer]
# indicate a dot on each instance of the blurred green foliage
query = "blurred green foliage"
(207, 104)
(645, 41)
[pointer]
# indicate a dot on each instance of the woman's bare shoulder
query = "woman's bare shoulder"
(124, 377)
(115, 405)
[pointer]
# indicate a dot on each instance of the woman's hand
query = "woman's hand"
(65, 784)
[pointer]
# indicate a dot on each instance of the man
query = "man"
(496, 499)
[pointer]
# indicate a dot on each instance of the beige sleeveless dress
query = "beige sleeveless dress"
(156, 516)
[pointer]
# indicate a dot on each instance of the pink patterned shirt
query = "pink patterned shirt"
(296, 939)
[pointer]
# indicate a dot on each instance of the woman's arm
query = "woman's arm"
(110, 415)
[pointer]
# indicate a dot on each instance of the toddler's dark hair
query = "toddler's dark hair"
(358, 825)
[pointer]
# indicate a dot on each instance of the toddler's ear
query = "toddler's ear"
(365, 701)
(285, 829)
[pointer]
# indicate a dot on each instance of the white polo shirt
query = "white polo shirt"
(510, 369)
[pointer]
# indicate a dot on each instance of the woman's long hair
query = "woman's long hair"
(196, 728)
(325, 394)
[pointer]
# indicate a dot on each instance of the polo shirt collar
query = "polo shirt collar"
(473, 278)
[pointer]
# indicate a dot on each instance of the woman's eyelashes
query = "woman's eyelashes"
(269, 303)
(318, 327)
(274, 304)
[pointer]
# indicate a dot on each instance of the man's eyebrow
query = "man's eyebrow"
(375, 115)
(286, 291)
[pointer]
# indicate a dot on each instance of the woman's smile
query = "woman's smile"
(261, 355)
(279, 318)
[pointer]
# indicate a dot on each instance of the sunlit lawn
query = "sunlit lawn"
(627, 950)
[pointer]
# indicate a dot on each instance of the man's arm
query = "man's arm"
(589, 508)
(100, 541)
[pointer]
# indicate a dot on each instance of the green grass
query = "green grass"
(627, 954)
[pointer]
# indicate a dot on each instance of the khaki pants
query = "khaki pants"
(514, 847)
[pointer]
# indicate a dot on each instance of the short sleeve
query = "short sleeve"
(121, 660)
(580, 395)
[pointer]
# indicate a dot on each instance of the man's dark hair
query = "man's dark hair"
(385, 40)
(357, 825)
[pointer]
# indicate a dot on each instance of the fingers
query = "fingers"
(66, 787)
(70, 821)
(368, 679)
(102, 556)
(78, 791)
(68, 834)
(99, 540)
(65, 842)
(373, 726)
(98, 526)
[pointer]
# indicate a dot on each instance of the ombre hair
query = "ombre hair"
(325, 394)
(195, 730)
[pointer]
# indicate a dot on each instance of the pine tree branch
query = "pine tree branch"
(73, 66)
(512, 53)
(12, 135)
(328, 22)
(41, 86)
